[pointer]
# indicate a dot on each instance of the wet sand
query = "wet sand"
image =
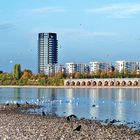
(17, 124)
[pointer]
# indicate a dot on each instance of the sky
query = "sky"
(88, 30)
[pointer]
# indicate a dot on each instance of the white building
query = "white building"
(76, 67)
(138, 67)
(71, 67)
(59, 68)
(49, 70)
(122, 66)
(99, 66)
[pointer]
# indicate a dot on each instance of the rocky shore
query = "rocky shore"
(17, 124)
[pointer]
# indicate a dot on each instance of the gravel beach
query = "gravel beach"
(17, 124)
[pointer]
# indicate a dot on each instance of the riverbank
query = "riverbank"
(17, 123)
(70, 87)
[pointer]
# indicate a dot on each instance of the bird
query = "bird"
(18, 105)
(72, 116)
(7, 104)
(93, 105)
(78, 128)
(27, 103)
(113, 121)
(68, 119)
(43, 113)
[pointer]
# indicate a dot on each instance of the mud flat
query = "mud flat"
(16, 124)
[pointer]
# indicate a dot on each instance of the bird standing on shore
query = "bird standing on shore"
(43, 113)
(78, 128)
(27, 103)
(72, 116)
(18, 105)
(68, 119)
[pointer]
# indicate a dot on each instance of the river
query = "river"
(100, 104)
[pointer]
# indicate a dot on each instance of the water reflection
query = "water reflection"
(119, 104)
(16, 94)
(69, 108)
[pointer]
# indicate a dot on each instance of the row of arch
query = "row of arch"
(101, 83)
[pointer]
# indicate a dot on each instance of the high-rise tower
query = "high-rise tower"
(47, 51)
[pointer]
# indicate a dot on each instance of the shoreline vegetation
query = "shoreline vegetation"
(18, 123)
(26, 77)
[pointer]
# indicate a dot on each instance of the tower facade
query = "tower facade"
(47, 51)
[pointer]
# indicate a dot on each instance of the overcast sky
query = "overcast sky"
(88, 30)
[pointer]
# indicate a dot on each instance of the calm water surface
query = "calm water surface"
(119, 104)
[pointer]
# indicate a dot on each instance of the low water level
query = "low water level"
(119, 104)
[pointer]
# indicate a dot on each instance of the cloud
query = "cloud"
(6, 26)
(121, 10)
(43, 10)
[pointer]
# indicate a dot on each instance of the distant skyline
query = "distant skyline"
(87, 30)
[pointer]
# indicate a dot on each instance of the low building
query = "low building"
(49, 70)
(59, 68)
(76, 67)
(99, 66)
(71, 67)
(122, 66)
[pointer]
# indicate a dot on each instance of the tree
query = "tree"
(98, 73)
(133, 74)
(17, 71)
(103, 74)
(77, 75)
(26, 74)
(92, 75)
(60, 75)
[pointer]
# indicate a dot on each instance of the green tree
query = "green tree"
(92, 75)
(98, 73)
(103, 74)
(17, 71)
(60, 75)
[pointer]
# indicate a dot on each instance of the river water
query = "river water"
(119, 104)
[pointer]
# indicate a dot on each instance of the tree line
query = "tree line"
(26, 77)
